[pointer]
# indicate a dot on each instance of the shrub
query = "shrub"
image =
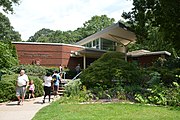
(32, 70)
(160, 95)
(7, 87)
(75, 91)
(38, 85)
(8, 56)
(109, 70)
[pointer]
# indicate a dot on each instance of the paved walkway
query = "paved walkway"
(12, 111)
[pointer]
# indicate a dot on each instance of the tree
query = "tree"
(43, 33)
(156, 14)
(7, 5)
(8, 56)
(7, 32)
(96, 23)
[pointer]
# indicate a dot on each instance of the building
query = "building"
(113, 38)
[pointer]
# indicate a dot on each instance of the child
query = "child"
(31, 89)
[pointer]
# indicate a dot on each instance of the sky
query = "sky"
(33, 15)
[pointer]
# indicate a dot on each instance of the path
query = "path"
(12, 111)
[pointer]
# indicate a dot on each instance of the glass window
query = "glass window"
(104, 44)
(108, 45)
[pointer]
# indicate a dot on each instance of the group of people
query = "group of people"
(51, 82)
(23, 84)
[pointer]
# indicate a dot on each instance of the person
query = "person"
(60, 69)
(78, 69)
(21, 86)
(57, 80)
(47, 86)
(31, 89)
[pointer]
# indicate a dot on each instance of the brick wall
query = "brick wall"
(47, 54)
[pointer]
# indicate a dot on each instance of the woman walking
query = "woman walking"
(47, 86)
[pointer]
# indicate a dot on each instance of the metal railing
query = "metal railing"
(77, 75)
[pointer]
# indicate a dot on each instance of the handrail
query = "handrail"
(77, 75)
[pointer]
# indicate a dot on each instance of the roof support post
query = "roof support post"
(125, 57)
(84, 61)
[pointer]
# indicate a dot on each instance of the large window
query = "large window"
(108, 45)
(102, 44)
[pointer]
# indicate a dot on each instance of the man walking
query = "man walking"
(21, 86)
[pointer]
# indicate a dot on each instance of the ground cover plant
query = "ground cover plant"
(107, 111)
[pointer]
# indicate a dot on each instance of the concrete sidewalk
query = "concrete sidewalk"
(12, 111)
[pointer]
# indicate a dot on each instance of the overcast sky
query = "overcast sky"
(33, 15)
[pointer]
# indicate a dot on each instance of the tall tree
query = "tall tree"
(7, 32)
(8, 56)
(97, 23)
(162, 15)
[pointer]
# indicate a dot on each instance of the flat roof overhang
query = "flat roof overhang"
(88, 52)
(140, 53)
(116, 32)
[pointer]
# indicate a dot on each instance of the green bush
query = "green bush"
(8, 87)
(38, 85)
(33, 70)
(76, 91)
(160, 95)
(108, 71)
(8, 56)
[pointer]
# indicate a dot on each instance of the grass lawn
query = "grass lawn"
(110, 111)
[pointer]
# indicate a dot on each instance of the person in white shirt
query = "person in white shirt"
(21, 86)
(47, 86)
(60, 69)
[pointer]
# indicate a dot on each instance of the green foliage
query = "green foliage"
(111, 77)
(106, 76)
(7, 32)
(109, 68)
(74, 91)
(96, 23)
(7, 5)
(161, 95)
(32, 70)
(8, 57)
(156, 23)
(38, 85)
(8, 87)
(73, 87)
(154, 78)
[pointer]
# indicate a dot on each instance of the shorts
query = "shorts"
(21, 91)
(31, 91)
(56, 88)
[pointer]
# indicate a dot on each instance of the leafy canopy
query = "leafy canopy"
(156, 23)
(96, 23)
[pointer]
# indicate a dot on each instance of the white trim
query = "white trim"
(39, 43)
(149, 53)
